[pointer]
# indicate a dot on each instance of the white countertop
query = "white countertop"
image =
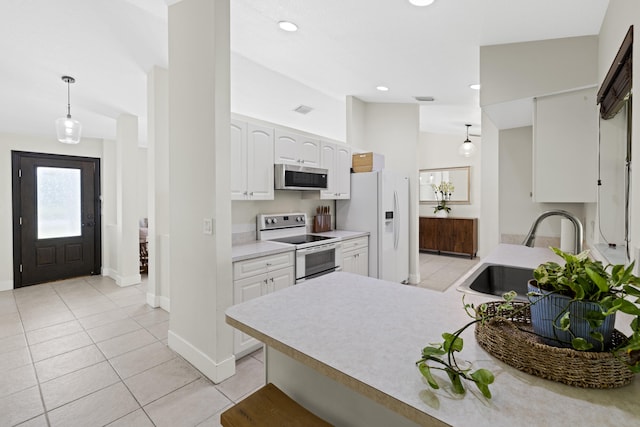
(258, 248)
(372, 332)
(344, 234)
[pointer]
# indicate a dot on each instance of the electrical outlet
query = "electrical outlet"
(207, 226)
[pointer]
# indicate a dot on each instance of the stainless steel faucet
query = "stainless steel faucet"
(577, 225)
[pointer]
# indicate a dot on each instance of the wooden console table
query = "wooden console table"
(455, 235)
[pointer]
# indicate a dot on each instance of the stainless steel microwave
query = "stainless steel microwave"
(295, 177)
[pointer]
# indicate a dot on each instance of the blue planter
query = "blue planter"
(553, 306)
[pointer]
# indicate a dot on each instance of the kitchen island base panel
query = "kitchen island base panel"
(330, 400)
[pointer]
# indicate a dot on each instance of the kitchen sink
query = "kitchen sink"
(496, 279)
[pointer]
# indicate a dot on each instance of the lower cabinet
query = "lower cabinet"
(270, 274)
(455, 235)
(355, 255)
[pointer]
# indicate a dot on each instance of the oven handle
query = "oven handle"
(325, 247)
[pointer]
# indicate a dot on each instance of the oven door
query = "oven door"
(317, 260)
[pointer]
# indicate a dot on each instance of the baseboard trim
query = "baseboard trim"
(123, 281)
(6, 285)
(216, 372)
(156, 301)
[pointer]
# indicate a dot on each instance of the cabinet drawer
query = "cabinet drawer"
(355, 244)
(254, 266)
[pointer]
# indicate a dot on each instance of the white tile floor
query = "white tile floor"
(438, 272)
(85, 352)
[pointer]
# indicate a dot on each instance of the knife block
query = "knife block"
(321, 222)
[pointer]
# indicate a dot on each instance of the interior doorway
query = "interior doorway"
(56, 217)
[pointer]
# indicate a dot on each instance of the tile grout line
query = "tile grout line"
(33, 366)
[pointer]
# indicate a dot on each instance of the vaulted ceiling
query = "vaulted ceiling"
(342, 47)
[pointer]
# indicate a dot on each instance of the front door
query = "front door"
(56, 217)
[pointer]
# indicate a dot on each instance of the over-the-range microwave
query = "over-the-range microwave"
(297, 177)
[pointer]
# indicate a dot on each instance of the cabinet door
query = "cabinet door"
(349, 262)
(285, 148)
(456, 235)
(428, 238)
(246, 290)
(281, 279)
(362, 262)
(328, 161)
(309, 151)
(343, 172)
(260, 162)
(238, 139)
(565, 129)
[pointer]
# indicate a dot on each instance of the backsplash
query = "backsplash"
(244, 212)
(541, 241)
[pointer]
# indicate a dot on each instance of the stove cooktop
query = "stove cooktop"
(298, 240)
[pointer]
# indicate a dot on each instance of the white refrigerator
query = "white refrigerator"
(379, 204)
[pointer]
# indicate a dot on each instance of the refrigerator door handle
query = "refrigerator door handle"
(396, 216)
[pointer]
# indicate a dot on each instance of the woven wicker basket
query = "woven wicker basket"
(510, 338)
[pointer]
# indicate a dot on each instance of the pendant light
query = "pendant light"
(68, 129)
(467, 148)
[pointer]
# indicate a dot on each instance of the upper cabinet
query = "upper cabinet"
(336, 158)
(296, 149)
(252, 161)
(565, 147)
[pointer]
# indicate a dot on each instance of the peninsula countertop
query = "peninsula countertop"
(367, 335)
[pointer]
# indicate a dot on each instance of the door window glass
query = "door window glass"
(58, 202)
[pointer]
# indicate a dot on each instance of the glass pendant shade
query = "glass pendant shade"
(467, 149)
(68, 130)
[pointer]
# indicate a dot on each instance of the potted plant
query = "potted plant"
(575, 304)
(443, 192)
(607, 290)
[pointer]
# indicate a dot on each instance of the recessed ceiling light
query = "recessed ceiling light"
(382, 88)
(421, 2)
(475, 86)
(288, 26)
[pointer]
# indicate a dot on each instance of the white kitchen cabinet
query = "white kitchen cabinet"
(355, 255)
(565, 147)
(251, 161)
(336, 158)
(296, 149)
(256, 277)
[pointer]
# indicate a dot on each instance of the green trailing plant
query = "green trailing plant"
(442, 356)
(614, 288)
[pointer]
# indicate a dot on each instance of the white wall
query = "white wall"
(263, 94)
(524, 70)
(517, 210)
(199, 183)
(489, 230)
(441, 151)
(141, 173)
(392, 130)
(88, 147)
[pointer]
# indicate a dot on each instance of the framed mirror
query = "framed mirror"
(458, 176)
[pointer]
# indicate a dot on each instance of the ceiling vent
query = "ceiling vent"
(303, 109)
(424, 98)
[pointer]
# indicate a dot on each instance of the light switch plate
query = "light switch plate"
(207, 226)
